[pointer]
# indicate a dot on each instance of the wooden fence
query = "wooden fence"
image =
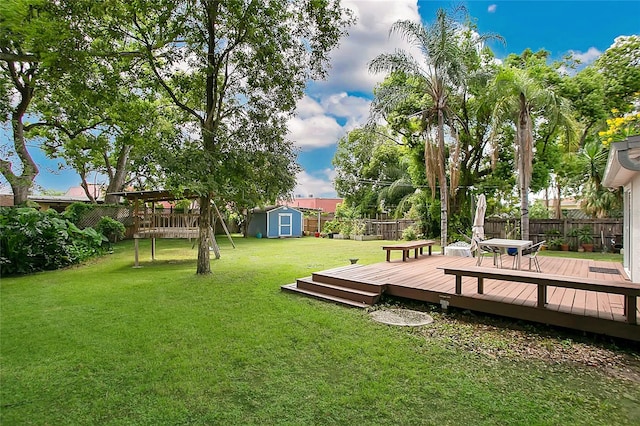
(603, 231)
(119, 213)
(311, 224)
(389, 229)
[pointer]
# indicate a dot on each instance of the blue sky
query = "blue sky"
(584, 28)
(333, 107)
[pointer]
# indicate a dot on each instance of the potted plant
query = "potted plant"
(586, 238)
(330, 228)
(552, 236)
(344, 230)
(358, 230)
(559, 243)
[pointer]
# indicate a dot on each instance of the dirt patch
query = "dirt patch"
(404, 317)
(499, 338)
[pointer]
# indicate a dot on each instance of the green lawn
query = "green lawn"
(104, 343)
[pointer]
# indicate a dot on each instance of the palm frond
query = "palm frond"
(431, 156)
(400, 187)
(399, 60)
(454, 164)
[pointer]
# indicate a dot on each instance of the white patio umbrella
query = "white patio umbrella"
(478, 221)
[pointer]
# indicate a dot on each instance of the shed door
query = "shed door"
(285, 224)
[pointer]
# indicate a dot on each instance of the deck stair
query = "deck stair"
(330, 287)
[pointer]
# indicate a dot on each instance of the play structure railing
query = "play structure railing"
(167, 220)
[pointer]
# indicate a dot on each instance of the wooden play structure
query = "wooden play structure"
(150, 222)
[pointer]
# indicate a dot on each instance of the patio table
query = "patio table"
(504, 243)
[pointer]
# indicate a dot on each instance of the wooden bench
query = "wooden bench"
(406, 247)
(630, 291)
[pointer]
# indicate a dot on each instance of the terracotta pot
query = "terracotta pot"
(564, 247)
(588, 247)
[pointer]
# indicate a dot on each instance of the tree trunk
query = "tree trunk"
(85, 186)
(523, 147)
(442, 177)
(21, 185)
(558, 206)
(116, 183)
(21, 191)
(204, 263)
(247, 222)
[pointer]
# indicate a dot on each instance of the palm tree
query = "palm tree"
(441, 70)
(522, 99)
(597, 200)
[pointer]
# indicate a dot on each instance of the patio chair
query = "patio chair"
(482, 250)
(532, 254)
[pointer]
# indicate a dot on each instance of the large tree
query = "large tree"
(620, 66)
(371, 171)
(440, 71)
(72, 88)
(104, 125)
(38, 40)
(234, 70)
(523, 99)
(586, 91)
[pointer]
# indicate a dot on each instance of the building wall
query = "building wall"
(273, 218)
(633, 245)
(257, 224)
(6, 200)
(327, 205)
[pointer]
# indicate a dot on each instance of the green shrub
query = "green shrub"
(32, 241)
(359, 227)
(539, 211)
(331, 227)
(410, 233)
(182, 206)
(110, 228)
(346, 227)
(75, 211)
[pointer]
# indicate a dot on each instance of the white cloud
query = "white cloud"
(318, 186)
(368, 38)
(307, 107)
(317, 124)
(587, 57)
(354, 109)
(492, 8)
(341, 103)
(317, 131)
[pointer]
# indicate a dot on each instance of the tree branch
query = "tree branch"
(18, 57)
(151, 60)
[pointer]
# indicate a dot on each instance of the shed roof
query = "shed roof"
(271, 208)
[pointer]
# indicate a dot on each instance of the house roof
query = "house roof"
(327, 205)
(77, 192)
(623, 162)
(59, 199)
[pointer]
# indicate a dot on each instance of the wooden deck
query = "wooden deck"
(420, 279)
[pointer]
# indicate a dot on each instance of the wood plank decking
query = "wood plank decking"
(421, 279)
